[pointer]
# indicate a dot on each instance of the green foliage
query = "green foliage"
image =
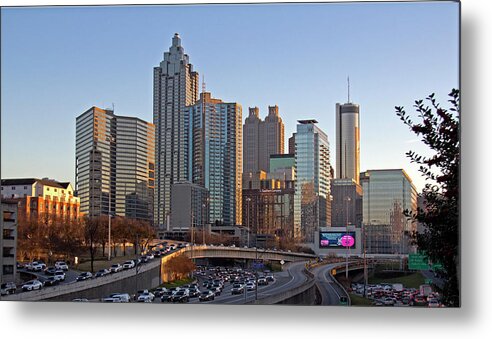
(439, 130)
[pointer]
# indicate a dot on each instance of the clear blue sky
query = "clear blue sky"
(58, 62)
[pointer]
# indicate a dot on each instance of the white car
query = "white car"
(146, 297)
(61, 265)
(36, 266)
(59, 275)
(128, 264)
(433, 303)
(32, 285)
(150, 256)
(115, 268)
(118, 298)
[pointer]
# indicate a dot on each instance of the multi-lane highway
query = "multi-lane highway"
(329, 290)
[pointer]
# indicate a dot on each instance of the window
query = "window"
(25, 187)
(13, 187)
(47, 188)
(8, 269)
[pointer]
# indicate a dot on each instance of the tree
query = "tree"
(439, 130)
(179, 267)
(93, 227)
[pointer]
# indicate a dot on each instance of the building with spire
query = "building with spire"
(347, 140)
(175, 87)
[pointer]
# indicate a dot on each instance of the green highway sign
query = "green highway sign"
(418, 262)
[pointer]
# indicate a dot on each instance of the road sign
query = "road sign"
(282, 262)
(418, 262)
(334, 272)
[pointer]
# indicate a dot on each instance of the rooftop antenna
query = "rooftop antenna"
(348, 89)
(203, 83)
(113, 106)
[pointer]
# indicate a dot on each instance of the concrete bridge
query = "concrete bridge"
(149, 275)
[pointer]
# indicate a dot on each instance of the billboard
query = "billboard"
(336, 239)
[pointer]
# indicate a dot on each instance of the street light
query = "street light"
(346, 241)
(248, 199)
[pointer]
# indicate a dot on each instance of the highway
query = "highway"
(328, 288)
(291, 277)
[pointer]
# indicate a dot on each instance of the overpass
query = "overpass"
(149, 275)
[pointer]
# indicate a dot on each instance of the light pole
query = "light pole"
(346, 241)
(248, 199)
(365, 260)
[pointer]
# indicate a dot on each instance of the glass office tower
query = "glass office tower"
(312, 201)
(387, 194)
(114, 165)
(216, 155)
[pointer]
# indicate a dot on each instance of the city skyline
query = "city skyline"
(60, 87)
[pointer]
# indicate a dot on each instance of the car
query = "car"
(143, 259)
(61, 265)
(157, 253)
(59, 275)
(270, 278)
(419, 301)
(36, 266)
(262, 281)
(122, 297)
(180, 296)
(433, 303)
(150, 256)
(51, 281)
(193, 292)
(128, 264)
(80, 300)
(206, 296)
(215, 290)
(101, 273)
(32, 285)
(237, 289)
(115, 268)
(250, 287)
(146, 297)
(166, 296)
(111, 300)
(19, 265)
(159, 291)
(8, 288)
(50, 270)
(84, 276)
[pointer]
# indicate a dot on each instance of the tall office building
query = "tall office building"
(114, 165)
(346, 206)
(175, 87)
(312, 201)
(251, 147)
(216, 155)
(348, 141)
(387, 194)
(262, 139)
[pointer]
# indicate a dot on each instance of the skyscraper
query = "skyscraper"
(175, 87)
(312, 200)
(114, 165)
(262, 139)
(216, 155)
(348, 141)
(387, 194)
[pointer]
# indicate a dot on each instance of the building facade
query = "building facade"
(189, 206)
(216, 155)
(175, 87)
(268, 206)
(346, 206)
(114, 170)
(387, 194)
(312, 203)
(8, 240)
(37, 197)
(348, 141)
(262, 139)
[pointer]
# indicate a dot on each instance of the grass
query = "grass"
(177, 283)
(357, 300)
(413, 280)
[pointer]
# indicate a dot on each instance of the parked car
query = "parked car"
(32, 285)
(115, 268)
(84, 276)
(8, 288)
(102, 272)
(206, 296)
(61, 265)
(128, 264)
(59, 275)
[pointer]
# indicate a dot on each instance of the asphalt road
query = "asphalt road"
(329, 290)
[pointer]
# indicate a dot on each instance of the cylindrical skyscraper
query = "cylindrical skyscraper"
(348, 141)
